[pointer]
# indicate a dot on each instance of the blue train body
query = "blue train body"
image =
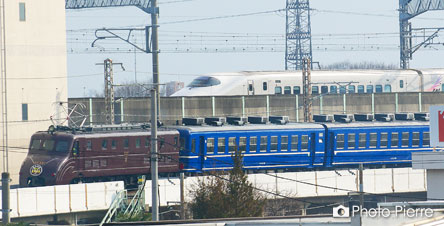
(302, 146)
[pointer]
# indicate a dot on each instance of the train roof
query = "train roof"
(298, 126)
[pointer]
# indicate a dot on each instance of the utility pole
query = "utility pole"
(306, 81)
(154, 157)
(109, 89)
(5, 175)
(155, 105)
(182, 196)
(361, 189)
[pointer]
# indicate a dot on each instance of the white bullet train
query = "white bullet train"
(323, 82)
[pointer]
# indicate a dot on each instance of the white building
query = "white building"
(34, 63)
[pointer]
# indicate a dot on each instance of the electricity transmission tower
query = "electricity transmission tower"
(408, 9)
(298, 34)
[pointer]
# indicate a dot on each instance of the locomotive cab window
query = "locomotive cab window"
(61, 146)
(210, 146)
(204, 81)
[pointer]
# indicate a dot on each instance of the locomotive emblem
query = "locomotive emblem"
(36, 170)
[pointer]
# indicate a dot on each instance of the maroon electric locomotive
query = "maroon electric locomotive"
(62, 155)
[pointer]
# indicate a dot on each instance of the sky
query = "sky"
(193, 42)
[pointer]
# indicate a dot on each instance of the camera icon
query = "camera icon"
(341, 211)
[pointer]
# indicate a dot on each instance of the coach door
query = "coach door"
(201, 151)
(312, 143)
(250, 87)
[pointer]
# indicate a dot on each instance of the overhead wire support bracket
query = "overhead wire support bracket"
(112, 34)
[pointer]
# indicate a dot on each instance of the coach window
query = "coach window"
(104, 144)
(148, 142)
(137, 142)
(231, 144)
(278, 90)
(387, 88)
(373, 140)
(340, 141)
(315, 89)
(369, 88)
(273, 143)
(263, 144)
(296, 90)
(287, 90)
(351, 142)
(442, 88)
(265, 85)
(405, 139)
(361, 89)
(126, 143)
(221, 145)
(88, 145)
(113, 144)
(342, 89)
(253, 144)
(324, 89)
(362, 140)
(394, 140)
(210, 146)
(22, 11)
(378, 89)
(384, 140)
(333, 89)
(242, 144)
(294, 142)
(401, 84)
(284, 143)
(304, 143)
(351, 89)
(426, 139)
(193, 145)
(415, 139)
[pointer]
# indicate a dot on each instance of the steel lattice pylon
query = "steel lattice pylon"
(408, 9)
(298, 34)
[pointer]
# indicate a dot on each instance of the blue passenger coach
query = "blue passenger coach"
(302, 146)
(376, 143)
(207, 148)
